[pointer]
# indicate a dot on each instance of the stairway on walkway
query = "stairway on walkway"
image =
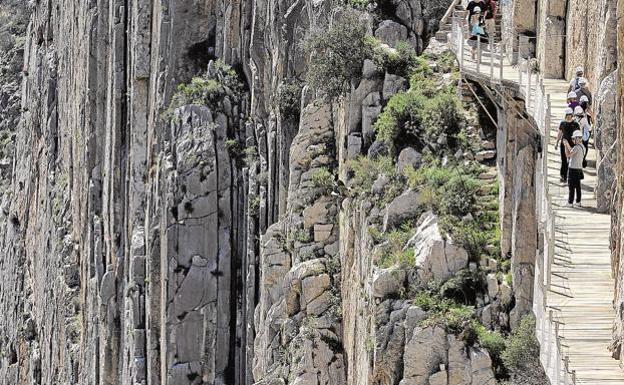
(580, 293)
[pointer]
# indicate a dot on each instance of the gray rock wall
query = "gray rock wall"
(142, 250)
(517, 145)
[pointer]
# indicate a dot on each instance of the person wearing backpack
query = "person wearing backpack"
(584, 91)
(566, 128)
(575, 154)
(574, 83)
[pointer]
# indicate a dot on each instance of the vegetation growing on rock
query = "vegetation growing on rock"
(427, 110)
(337, 54)
(219, 80)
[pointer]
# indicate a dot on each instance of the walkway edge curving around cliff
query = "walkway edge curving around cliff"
(573, 283)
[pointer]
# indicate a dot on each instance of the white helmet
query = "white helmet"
(477, 10)
(577, 134)
(572, 95)
(584, 98)
(578, 110)
(569, 111)
(582, 81)
(579, 70)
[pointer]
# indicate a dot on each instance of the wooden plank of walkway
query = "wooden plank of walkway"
(582, 273)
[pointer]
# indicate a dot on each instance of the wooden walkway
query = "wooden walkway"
(581, 290)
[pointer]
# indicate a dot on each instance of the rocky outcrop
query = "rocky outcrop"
(606, 141)
(298, 316)
(518, 143)
(437, 257)
(617, 214)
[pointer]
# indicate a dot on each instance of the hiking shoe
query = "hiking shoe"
(569, 204)
(578, 204)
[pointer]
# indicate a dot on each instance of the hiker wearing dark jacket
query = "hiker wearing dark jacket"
(566, 129)
(574, 83)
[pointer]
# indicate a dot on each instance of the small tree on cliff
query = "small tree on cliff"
(337, 53)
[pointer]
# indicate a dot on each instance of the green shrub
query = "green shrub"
(394, 252)
(400, 60)
(443, 311)
(209, 89)
(422, 113)
(254, 206)
(492, 341)
(522, 355)
(365, 172)
(358, 4)
(463, 287)
(250, 155)
(323, 179)
(289, 98)
(453, 188)
(337, 53)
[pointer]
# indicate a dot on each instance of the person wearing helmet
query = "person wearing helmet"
(581, 118)
(572, 100)
(575, 153)
(574, 83)
(566, 128)
(584, 103)
(480, 5)
(584, 91)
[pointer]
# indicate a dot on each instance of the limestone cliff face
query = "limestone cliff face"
(124, 236)
(139, 249)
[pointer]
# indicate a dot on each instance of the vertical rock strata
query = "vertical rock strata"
(214, 243)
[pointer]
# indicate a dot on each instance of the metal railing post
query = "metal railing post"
(528, 89)
(478, 54)
(502, 62)
(566, 363)
(549, 334)
(557, 360)
(461, 46)
(491, 59)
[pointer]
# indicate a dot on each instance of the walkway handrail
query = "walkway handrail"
(449, 12)
(538, 105)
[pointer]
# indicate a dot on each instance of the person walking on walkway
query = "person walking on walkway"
(477, 32)
(584, 103)
(574, 83)
(581, 118)
(474, 5)
(575, 154)
(572, 100)
(490, 17)
(584, 91)
(566, 128)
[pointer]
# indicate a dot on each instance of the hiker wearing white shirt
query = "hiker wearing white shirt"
(574, 83)
(575, 154)
(581, 118)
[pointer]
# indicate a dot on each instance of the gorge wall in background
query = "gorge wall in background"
(236, 241)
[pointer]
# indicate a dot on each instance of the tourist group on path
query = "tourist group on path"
(573, 137)
(576, 128)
